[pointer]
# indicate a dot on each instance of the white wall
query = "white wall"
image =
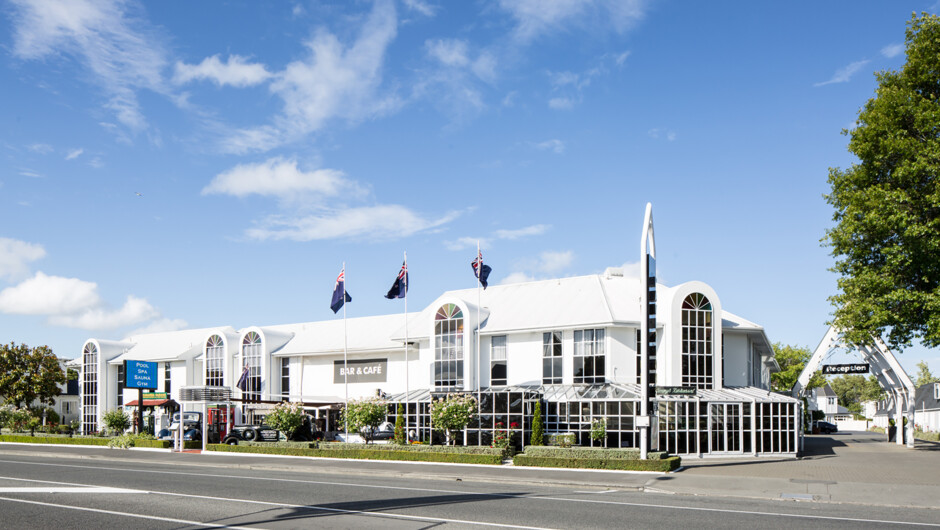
(737, 351)
(621, 355)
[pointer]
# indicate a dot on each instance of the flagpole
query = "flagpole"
(345, 361)
(479, 360)
(407, 400)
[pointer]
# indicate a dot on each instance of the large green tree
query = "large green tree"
(29, 374)
(924, 377)
(851, 390)
(886, 240)
(792, 360)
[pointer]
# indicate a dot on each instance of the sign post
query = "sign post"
(141, 375)
(647, 330)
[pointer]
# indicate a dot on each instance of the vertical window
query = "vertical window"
(551, 358)
(285, 376)
(498, 360)
(215, 361)
(120, 384)
(167, 387)
(589, 356)
(251, 358)
(66, 407)
(448, 348)
(90, 389)
(639, 359)
(697, 364)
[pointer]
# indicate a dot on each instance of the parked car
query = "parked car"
(824, 427)
(192, 427)
(252, 433)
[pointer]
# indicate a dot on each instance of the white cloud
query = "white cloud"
(844, 74)
(535, 18)
(235, 72)
(534, 230)
(74, 153)
(134, 311)
(370, 222)
(547, 265)
(421, 6)
(49, 295)
(554, 145)
(621, 58)
(892, 50)
(160, 326)
(279, 177)
(561, 103)
(40, 148)
(15, 257)
(109, 39)
(453, 80)
(467, 242)
(552, 262)
(30, 173)
(449, 52)
(568, 87)
(516, 277)
(335, 81)
(656, 134)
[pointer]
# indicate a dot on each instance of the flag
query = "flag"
(340, 296)
(400, 287)
(480, 270)
(242, 383)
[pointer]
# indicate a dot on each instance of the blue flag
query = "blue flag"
(340, 296)
(481, 270)
(400, 287)
(242, 383)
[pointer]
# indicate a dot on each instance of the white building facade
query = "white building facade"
(571, 343)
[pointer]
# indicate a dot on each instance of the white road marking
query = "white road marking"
(83, 489)
(134, 515)
(533, 497)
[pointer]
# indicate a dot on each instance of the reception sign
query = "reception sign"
(361, 371)
(860, 368)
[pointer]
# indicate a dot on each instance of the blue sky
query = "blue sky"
(177, 164)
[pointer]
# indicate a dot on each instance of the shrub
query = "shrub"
(538, 428)
(400, 437)
(117, 421)
(561, 440)
(376, 452)
(124, 441)
(667, 464)
(599, 430)
(286, 417)
(620, 453)
(364, 416)
(453, 413)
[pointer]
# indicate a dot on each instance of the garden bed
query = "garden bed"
(89, 440)
(408, 453)
(625, 459)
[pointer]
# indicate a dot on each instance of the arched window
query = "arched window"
(215, 361)
(90, 388)
(251, 358)
(697, 361)
(448, 348)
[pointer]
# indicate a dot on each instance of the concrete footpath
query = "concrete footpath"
(857, 468)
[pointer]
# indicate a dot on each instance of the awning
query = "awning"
(149, 402)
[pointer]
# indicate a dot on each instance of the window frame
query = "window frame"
(498, 357)
(553, 357)
(590, 356)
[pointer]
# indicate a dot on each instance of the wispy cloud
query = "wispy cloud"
(535, 18)
(334, 81)
(665, 134)
(568, 87)
(30, 173)
(281, 178)
(74, 153)
(234, 72)
(534, 230)
(455, 77)
(15, 257)
(43, 149)
(368, 222)
(106, 36)
(462, 243)
(548, 264)
(421, 6)
(554, 145)
(844, 74)
(892, 50)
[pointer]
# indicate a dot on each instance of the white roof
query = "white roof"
(165, 346)
(363, 334)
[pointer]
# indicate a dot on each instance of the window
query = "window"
(285, 376)
(697, 364)
(120, 384)
(936, 390)
(215, 361)
(90, 388)
(589, 356)
(832, 401)
(498, 360)
(551, 358)
(166, 379)
(448, 348)
(66, 407)
(251, 359)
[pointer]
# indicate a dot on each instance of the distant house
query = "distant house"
(927, 407)
(825, 399)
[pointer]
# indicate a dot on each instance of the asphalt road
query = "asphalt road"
(44, 492)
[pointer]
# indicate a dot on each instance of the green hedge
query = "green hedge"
(417, 448)
(401, 453)
(91, 440)
(666, 464)
(628, 453)
(927, 436)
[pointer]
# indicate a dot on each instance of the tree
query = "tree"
(400, 435)
(538, 427)
(364, 416)
(117, 421)
(29, 374)
(886, 240)
(792, 360)
(853, 389)
(924, 377)
(453, 413)
(286, 417)
(599, 430)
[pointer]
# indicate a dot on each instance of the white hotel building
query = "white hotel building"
(571, 343)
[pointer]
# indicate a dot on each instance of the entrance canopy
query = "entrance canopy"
(882, 364)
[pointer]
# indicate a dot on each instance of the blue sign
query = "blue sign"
(140, 374)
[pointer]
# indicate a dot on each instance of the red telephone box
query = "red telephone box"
(218, 421)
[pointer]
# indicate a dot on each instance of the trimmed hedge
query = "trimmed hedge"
(91, 440)
(400, 453)
(623, 464)
(628, 453)
(417, 448)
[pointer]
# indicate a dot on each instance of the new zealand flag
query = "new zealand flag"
(340, 296)
(242, 383)
(481, 270)
(400, 287)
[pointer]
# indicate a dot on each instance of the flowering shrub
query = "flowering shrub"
(599, 430)
(364, 416)
(502, 439)
(286, 417)
(453, 413)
